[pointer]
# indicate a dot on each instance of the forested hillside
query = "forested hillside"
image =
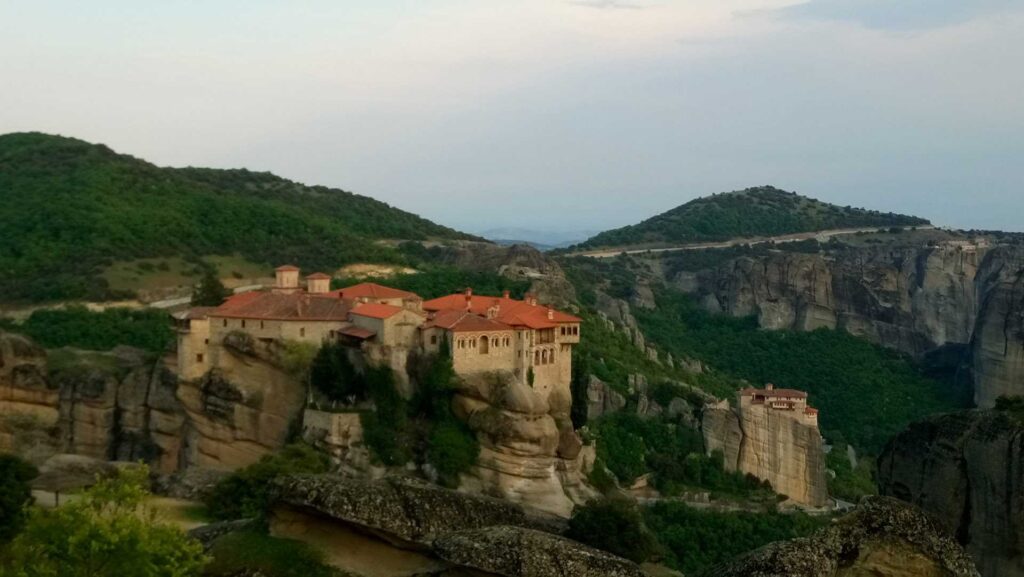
(72, 208)
(762, 211)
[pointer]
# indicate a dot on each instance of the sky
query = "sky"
(548, 115)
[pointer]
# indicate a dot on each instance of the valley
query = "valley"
(732, 376)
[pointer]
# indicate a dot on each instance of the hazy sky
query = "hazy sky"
(548, 114)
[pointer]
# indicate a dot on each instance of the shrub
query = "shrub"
(615, 526)
(77, 326)
(15, 494)
(333, 374)
(254, 553)
(245, 493)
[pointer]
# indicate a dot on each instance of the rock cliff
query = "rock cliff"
(397, 527)
(997, 350)
(910, 299)
(771, 445)
(967, 470)
(881, 538)
(529, 452)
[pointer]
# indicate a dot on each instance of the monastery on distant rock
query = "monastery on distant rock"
(484, 334)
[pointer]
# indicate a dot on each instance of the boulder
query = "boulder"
(882, 537)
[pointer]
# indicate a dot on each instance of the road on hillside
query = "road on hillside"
(820, 236)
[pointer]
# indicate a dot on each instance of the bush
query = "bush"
(453, 450)
(15, 494)
(255, 553)
(333, 374)
(77, 326)
(245, 493)
(615, 526)
(108, 531)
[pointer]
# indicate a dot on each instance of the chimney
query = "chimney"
(769, 387)
(531, 300)
(505, 294)
(469, 297)
(551, 314)
(318, 283)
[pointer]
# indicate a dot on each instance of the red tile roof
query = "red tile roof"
(376, 311)
(372, 290)
(357, 332)
(278, 306)
(465, 321)
(512, 312)
(318, 276)
(773, 393)
(287, 267)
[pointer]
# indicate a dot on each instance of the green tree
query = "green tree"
(245, 494)
(614, 525)
(210, 292)
(15, 494)
(109, 531)
(333, 374)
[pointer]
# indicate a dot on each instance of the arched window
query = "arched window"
(544, 357)
(484, 345)
(494, 342)
(536, 357)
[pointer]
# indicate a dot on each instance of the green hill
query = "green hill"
(762, 211)
(72, 210)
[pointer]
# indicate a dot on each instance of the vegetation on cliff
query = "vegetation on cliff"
(865, 392)
(72, 208)
(761, 211)
(79, 327)
(245, 494)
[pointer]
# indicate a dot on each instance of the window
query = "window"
(199, 358)
(433, 339)
(261, 324)
(243, 323)
(206, 341)
(536, 357)
(302, 331)
(484, 345)
(225, 322)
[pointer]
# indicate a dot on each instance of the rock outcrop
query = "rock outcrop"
(881, 538)
(118, 405)
(910, 299)
(771, 445)
(395, 527)
(967, 470)
(529, 452)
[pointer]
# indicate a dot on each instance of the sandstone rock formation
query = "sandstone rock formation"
(529, 452)
(28, 401)
(967, 470)
(770, 445)
(519, 262)
(397, 527)
(881, 538)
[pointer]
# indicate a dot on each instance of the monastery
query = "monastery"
(783, 402)
(484, 334)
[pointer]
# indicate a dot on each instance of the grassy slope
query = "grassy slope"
(763, 211)
(72, 209)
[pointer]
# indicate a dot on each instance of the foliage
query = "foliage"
(72, 208)
(109, 531)
(297, 358)
(614, 525)
(1012, 406)
(694, 540)
(435, 280)
(631, 446)
(254, 553)
(865, 392)
(763, 211)
(334, 375)
(15, 494)
(210, 292)
(850, 483)
(77, 326)
(424, 430)
(245, 493)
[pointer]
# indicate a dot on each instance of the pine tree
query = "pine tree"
(210, 292)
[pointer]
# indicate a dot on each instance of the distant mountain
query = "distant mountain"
(761, 211)
(70, 209)
(541, 239)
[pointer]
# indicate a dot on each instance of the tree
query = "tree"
(210, 292)
(109, 531)
(15, 494)
(614, 525)
(332, 373)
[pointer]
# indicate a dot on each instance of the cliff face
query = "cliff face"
(770, 445)
(913, 300)
(998, 348)
(881, 538)
(967, 470)
(117, 405)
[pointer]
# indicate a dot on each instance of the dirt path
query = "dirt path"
(820, 236)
